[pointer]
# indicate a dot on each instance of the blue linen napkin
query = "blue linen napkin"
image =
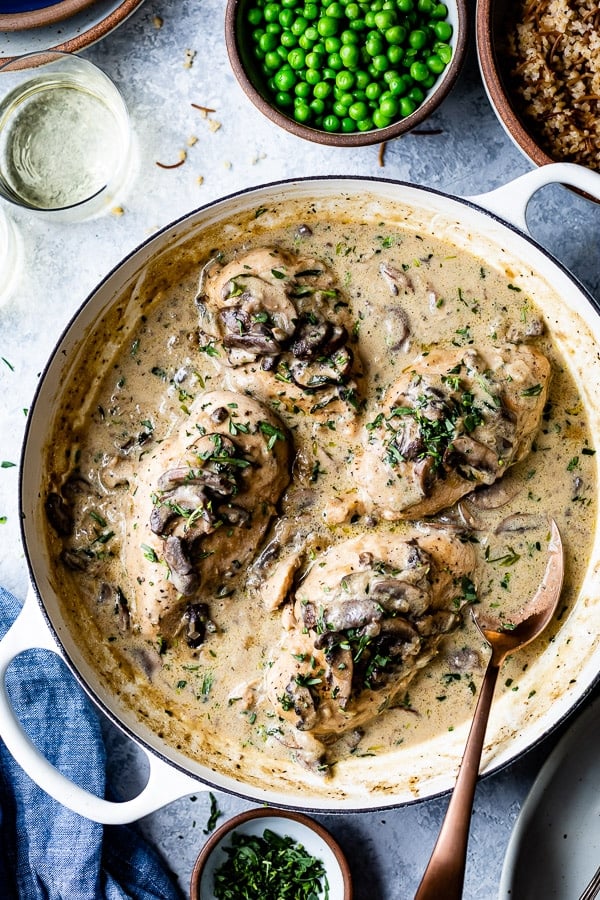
(48, 852)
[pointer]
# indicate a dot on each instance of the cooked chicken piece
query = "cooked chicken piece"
(282, 328)
(455, 420)
(201, 502)
(368, 616)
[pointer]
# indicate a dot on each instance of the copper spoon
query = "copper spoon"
(445, 872)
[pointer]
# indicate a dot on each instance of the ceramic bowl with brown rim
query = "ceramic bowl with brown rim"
(252, 45)
(20, 15)
(307, 837)
(541, 71)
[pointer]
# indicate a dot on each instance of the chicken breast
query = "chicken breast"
(455, 420)
(367, 617)
(201, 502)
(282, 328)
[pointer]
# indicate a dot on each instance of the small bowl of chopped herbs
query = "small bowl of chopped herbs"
(269, 854)
(346, 72)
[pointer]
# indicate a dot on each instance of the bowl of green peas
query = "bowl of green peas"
(346, 72)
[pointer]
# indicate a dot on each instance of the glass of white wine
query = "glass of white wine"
(65, 136)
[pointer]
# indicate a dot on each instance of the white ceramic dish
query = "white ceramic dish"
(554, 849)
(72, 35)
(548, 689)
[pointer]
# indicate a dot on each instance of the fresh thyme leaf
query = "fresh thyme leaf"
(215, 812)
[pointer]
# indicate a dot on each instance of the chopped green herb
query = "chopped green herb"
(215, 812)
(5, 464)
(272, 867)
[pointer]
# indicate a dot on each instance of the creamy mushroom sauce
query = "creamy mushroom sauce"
(146, 363)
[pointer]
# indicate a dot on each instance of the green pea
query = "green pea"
(286, 17)
(302, 112)
(317, 106)
(296, 58)
(268, 42)
(328, 74)
(350, 55)
(332, 44)
(346, 100)
(439, 11)
(407, 106)
(348, 125)
(396, 34)
(273, 28)
(314, 60)
(334, 61)
(311, 33)
(417, 94)
(322, 90)
(389, 107)
(435, 64)
(358, 25)
(339, 109)
(331, 123)
(272, 60)
(305, 42)
(385, 19)
(312, 76)
(425, 6)
(444, 51)
(405, 6)
(344, 80)
(254, 16)
(443, 31)
(284, 99)
(353, 11)
(327, 26)
(395, 54)
(379, 120)
(398, 86)
(335, 10)
(285, 79)
(370, 18)
(381, 63)
(271, 12)
(349, 37)
(429, 82)
(374, 44)
(288, 4)
(417, 39)
(299, 25)
(362, 79)
(288, 40)
(310, 11)
(419, 71)
(358, 111)
(365, 124)
(303, 89)
(373, 91)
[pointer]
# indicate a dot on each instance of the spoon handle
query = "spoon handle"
(445, 872)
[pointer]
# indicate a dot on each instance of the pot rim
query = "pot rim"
(252, 792)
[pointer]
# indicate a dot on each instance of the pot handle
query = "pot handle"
(511, 200)
(165, 783)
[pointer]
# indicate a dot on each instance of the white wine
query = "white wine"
(63, 139)
(61, 147)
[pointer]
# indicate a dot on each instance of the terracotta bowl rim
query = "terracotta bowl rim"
(490, 72)
(355, 139)
(46, 15)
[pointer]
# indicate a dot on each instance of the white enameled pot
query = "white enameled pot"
(491, 226)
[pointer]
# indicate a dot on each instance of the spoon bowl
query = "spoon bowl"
(444, 876)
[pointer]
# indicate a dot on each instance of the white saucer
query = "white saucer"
(554, 849)
(73, 34)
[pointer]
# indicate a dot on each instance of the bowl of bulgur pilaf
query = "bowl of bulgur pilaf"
(540, 63)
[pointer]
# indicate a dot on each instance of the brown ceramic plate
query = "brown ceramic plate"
(88, 22)
(47, 15)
